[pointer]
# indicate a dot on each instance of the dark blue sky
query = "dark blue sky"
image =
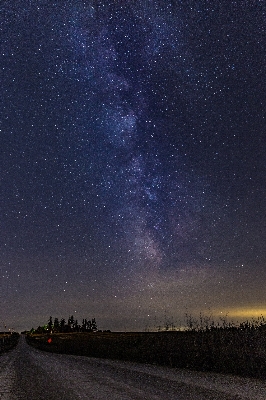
(132, 160)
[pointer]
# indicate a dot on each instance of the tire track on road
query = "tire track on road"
(7, 376)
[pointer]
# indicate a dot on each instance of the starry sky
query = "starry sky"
(133, 161)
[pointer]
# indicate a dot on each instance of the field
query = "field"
(241, 352)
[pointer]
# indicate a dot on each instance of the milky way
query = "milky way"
(132, 160)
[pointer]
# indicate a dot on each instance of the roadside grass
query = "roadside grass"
(8, 341)
(240, 351)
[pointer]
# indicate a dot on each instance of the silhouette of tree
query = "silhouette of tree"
(62, 325)
(56, 325)
(71, 322)
(86, 325)
(71, 326)
(93, 325)
(50, 324)
(76, 326)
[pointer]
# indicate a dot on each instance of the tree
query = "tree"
(56, 325)
(76, 326)
(62, 325)
(50, 324)
(71, 321)
(86, 325)
(93, 325)
(72, 325)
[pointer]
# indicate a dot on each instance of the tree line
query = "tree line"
(71, 325)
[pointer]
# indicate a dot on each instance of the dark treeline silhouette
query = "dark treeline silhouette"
(63, 326)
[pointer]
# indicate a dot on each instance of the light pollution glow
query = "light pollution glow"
(243, 312)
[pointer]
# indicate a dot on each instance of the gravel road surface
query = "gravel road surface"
(27, 373)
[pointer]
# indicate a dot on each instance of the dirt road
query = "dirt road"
(27, 373)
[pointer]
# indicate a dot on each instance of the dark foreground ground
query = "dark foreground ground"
(235, 352)
(29, 374)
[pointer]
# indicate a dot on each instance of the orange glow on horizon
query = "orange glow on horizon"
(241, 312)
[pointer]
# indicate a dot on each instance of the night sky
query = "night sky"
(133, 161)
